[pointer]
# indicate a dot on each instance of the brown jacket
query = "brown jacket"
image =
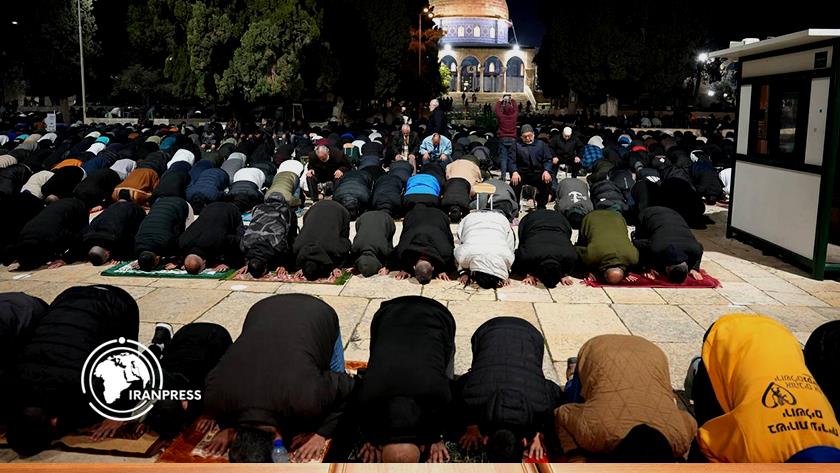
(140, 184)
(464, 169)
(625, 382)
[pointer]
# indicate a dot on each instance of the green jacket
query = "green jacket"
(285, 184)
(603, 241)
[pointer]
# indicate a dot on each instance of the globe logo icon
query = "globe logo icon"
(117, 377)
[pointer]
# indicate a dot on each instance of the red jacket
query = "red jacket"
(507, 114)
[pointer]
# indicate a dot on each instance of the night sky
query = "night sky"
(529, 28)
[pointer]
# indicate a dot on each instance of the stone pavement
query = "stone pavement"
(675, 319)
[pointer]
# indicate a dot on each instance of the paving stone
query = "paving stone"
(362, 331)
(50, 290)
(231, 311)
(350, 311)
(796, 319)
(830, 313)
(182, 283)
(311, 289)
(830, 298)
(567, 327)
(812, 286)
(357, 350)
(679, 358)
(119, 281)
(774, 284)
(250, 286)
(518, 291)
(660, 323)
(179, 305)
(718, 272)
(706, 315)
(21, 285)
(633, 295)
(692, 296)
(381, 286)
(463, 354)
(138, 291)
(67, 273)
(469, 315)
(579, 294)
(745, 294)
(802, 299)
(455, 291)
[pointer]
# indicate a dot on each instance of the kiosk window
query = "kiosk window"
(779, 119)
(787, 122)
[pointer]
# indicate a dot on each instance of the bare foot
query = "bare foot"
(56, 264)
(221, 268)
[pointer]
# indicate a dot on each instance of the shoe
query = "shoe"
(163, 335)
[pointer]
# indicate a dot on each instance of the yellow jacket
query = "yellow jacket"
(772, 406)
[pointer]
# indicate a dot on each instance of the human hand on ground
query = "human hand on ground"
(310, 173)
(56, 264)
(338, 174)
(555, 161)
(471, 439)
(401, 275)
(696, 275)
(170, 266)
(221, 442)
(438, 453)
(106, 429)
(384, 271)
(530, 280)
(311, 450)
(536, 449)
(651, 274)
(630, 278)
(567, 281)
(370, 454)
(546, 177)
(443, 277)
(205, 424)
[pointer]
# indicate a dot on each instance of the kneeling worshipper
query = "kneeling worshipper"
(426, 247)
(282, 378)
(213, 239)
(110, 234)
(323, 245)
(405, 397)
(47, 400)
(354, 192)
(667, 246)
(373, 243)
(157, 237)
(54, 234)
(545, 253)
(604, 246)
(485, 254)
(504, 401)
(421, 189)
(755, 399)
(269, 238)
(287, 184)
(615, 416)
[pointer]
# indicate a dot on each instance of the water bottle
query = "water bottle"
(279, 454)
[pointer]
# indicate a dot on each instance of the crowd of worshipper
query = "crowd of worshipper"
(757, 396)
(174, 196)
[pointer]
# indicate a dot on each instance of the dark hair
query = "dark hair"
(643, 444)
(146, 261)
(124, 194)
(677, 273)
(455, 214)
(30, 432)
(197, 203)
(549, 273)
(424, 277)
(575, 219)
(504, 447)
(257, 268)
(251, 445)
(484, 280)
(96, 256)
(167, 418)
(312, 271)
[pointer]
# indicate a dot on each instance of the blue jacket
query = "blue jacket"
(211, 185)
(424, 184)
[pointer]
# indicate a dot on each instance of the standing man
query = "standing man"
(507, 114)
(531, 164)
(437, 119)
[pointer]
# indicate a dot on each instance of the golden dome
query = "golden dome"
(471, 8)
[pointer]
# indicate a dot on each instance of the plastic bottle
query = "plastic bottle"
(279, 454)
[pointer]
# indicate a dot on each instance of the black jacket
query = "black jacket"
(565, 149)
(607, 196)
(19, 315)
(387, 195)
(438, 123)
(401, 169)
(173, 183)
(426, 233)
(325, 235)
(96, 189)
(374, 239)
(545, 241)
(406, 393)
(663, 239)
(215, 235)
(56, 232)
(245, 195)
(531, 158)
(161, 228)
(278, 371)
(271, 233)
(114, 230)
(354, 191)
(324, 171)
(12, 179)
(505, 387)
(680, 195)
(63, 182)
(456, 193)
(49, 367)
(573, 196)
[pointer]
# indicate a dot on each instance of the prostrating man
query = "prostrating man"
(323, 245)
(387, 194)
(54, 234)
(19, 315)
(246, 191)
(213, 239)
(461, 176)
(421, 189)
(667, 246)
(573, 200)
(287, 184)
(354, 192)
(485, 254)
(137, 186)
(604, 246)
(95, 190)
(406, 394)
(624, 408)
(62, 183)
(545, 252)
(374, 242)
(209, 187)
(111, 234)
(284, 376)
(326, 167)
(531, 165)
(504, 401)
(436, 149)
(426, 247)
(174, 182)
(503, 199)
(48, 402)
(680, 195)
(157, 237)
(268, 240)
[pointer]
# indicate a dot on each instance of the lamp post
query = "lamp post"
(82, 62)
(702, 59)
(430, 13)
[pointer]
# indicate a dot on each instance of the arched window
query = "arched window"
(477, 32)
(453, 67)
(492, 32)
(461, 32)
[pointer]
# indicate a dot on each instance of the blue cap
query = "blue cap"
(278, 443)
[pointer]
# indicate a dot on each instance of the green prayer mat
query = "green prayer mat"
(126, 270)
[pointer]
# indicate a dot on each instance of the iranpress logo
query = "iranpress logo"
(123, 378)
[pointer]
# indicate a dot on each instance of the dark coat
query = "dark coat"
(354, 191)
(504, 199)
(15, 212)
(663, 239)
(208, 188)
(56, 232)
(706, 180)
(573, 197)
(387, 195)
(425, 233)
(324, 171)
(405, 394)
(173, 183)
(156, 161)
(200, 166)
(401, 169)
(271, 234)
(505, 387)
(600, 171)
(114, 230)
(161, 228)
(545, 247)
(245, 195)
(215, 235)
(531, 158)
(565, 149)
(456, 193)
(19, 315)
(681, 196)
(325, 236)
(374, 241)
(63, 182)
(49, 366)
(603, 242)
(12, 179)
(607, 196)
(105, 159)
(278, 371)
(438, 123)
(96, 189)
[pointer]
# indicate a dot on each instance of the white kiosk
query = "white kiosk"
(785, 183)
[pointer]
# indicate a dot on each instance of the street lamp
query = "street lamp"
(703, 57)
(430, 13)
(14, 22)
(516, 47)
(710, 93)
(82, 62)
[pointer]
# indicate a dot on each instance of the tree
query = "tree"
(445, 76)
(139, 83)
